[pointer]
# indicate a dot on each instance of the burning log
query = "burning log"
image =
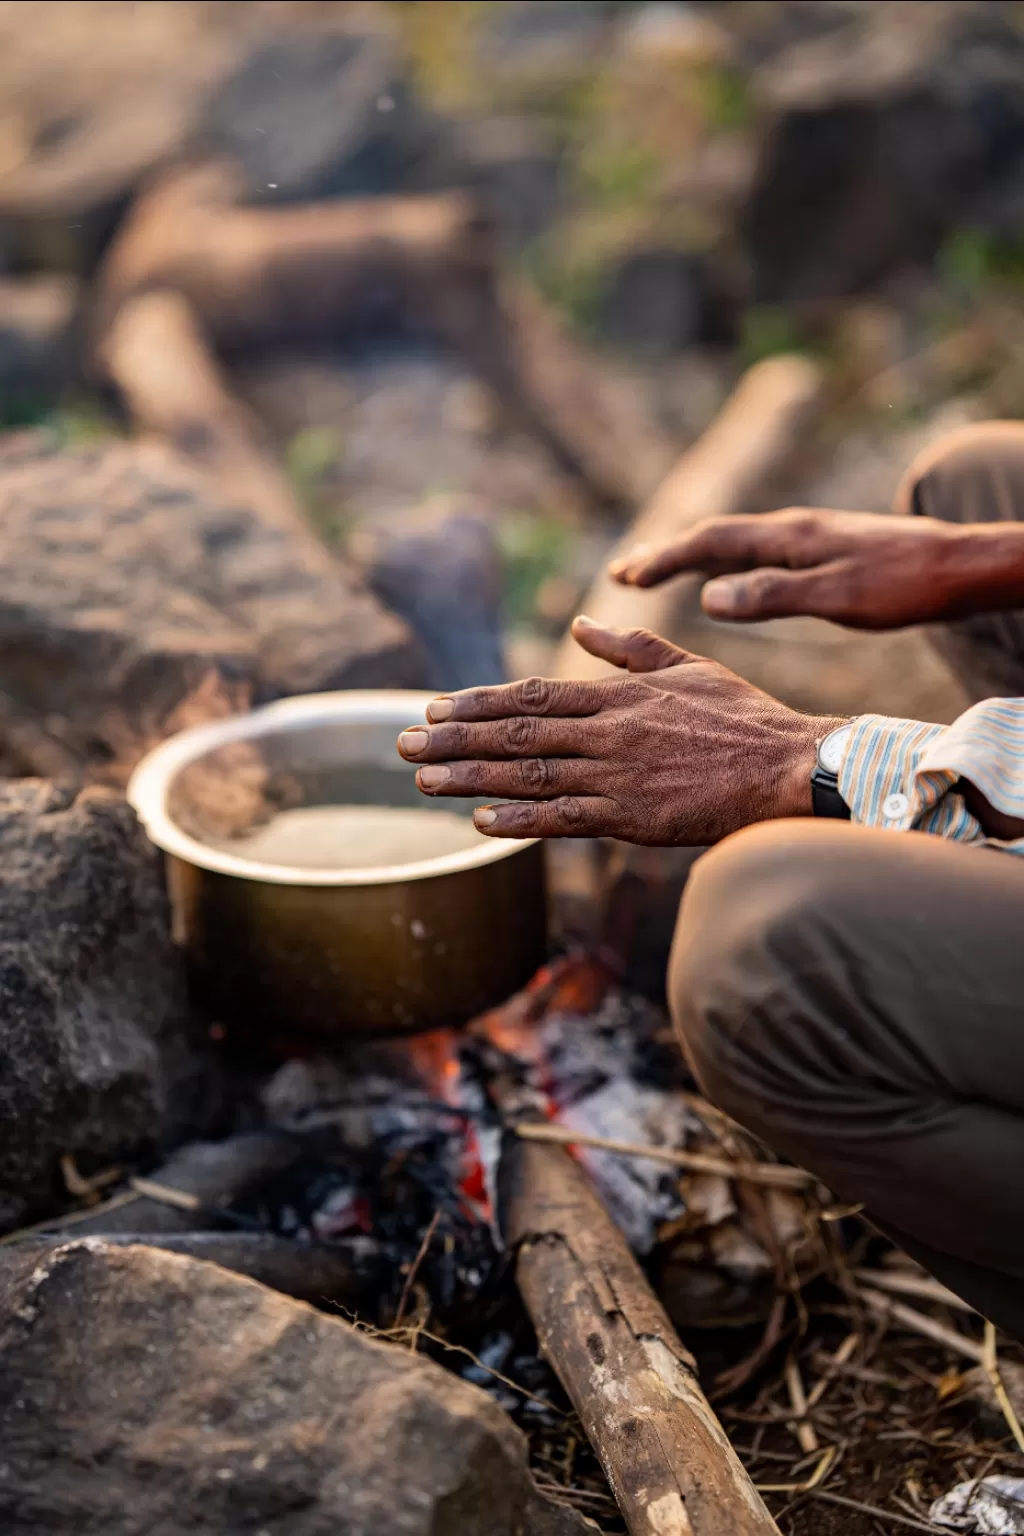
(313, 272)
(751, 443)
(630, 1379)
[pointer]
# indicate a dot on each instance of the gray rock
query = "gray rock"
(142, 1391)
(652, 301)
(878, 138)
(99, 96)
(93, 1020)
(127, 584)
(514, 170)
(440, 569)
(318, 113)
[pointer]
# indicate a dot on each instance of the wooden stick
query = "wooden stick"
(754, 437)
(633, 1384)
(158, 356)
(318, 271)
(990, 1364)
(918, 1322)
(903, 1284)
(801, 1426)
(772, 1175)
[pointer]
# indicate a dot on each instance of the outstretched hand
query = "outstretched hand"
(680, 751)
(857, 568)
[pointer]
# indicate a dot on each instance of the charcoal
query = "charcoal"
(144, 1391)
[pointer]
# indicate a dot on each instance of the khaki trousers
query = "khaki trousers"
(855, 997)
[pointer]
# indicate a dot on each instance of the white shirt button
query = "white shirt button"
(895, 806)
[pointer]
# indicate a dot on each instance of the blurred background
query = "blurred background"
(679, 191)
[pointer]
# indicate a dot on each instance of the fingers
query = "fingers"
(568, 816)
(533, 778)
(770, 594)
(638, 650)
(524, 736)
(531, 696)
(795, 536)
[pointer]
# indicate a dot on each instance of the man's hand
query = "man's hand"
(680, 752)
(856, 568)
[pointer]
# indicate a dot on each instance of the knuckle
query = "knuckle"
(520, 734)
(533, 693)
(569, 810)
(537, 775)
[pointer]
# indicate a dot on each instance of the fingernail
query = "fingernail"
(433, 778)
(440, 709)
(721, 597)
(413, 742)
(484, 818)
(583, 618)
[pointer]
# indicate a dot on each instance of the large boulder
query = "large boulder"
(99, 93)
(878, 138)
(141, 1391)
(133, 597)
(94, 1060)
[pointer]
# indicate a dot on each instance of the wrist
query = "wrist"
(794, 796)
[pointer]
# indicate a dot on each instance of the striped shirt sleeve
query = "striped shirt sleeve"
(902, 774)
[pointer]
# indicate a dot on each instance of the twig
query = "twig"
(58, 1223)
(802, 1426)
(905, 1284)
(897, 1312)
(772, 1175)
(990, 1362)
(870, 1509)
(82, 1188)
(835, 1365)
(410, 1278)
(395, 1334)
(738, 1375)
(819, 1474)
(164, 1194)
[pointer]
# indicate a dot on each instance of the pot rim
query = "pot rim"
(148, 787)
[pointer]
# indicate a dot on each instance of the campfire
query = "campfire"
(515, 1277)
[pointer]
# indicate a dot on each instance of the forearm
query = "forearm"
(984, 568)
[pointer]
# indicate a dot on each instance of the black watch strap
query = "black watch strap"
(825, 797)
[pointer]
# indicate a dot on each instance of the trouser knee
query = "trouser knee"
(972, 475)
(755, 939)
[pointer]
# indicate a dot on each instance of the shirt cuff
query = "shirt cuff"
(896, 774)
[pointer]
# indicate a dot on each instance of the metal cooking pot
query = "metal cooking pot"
(282, 949)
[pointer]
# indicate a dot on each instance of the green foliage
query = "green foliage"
(766, 332)
(725, 98)
(74, 422)
(310, 456)
(532, 548)
(310, 459)
(571, 281)
(975, 259)
(617, 175)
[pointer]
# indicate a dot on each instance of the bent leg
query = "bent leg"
(855, 997)
(975, 475)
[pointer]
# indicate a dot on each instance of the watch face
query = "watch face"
(832, 749)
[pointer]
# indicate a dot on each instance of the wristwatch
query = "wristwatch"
(825, 797)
